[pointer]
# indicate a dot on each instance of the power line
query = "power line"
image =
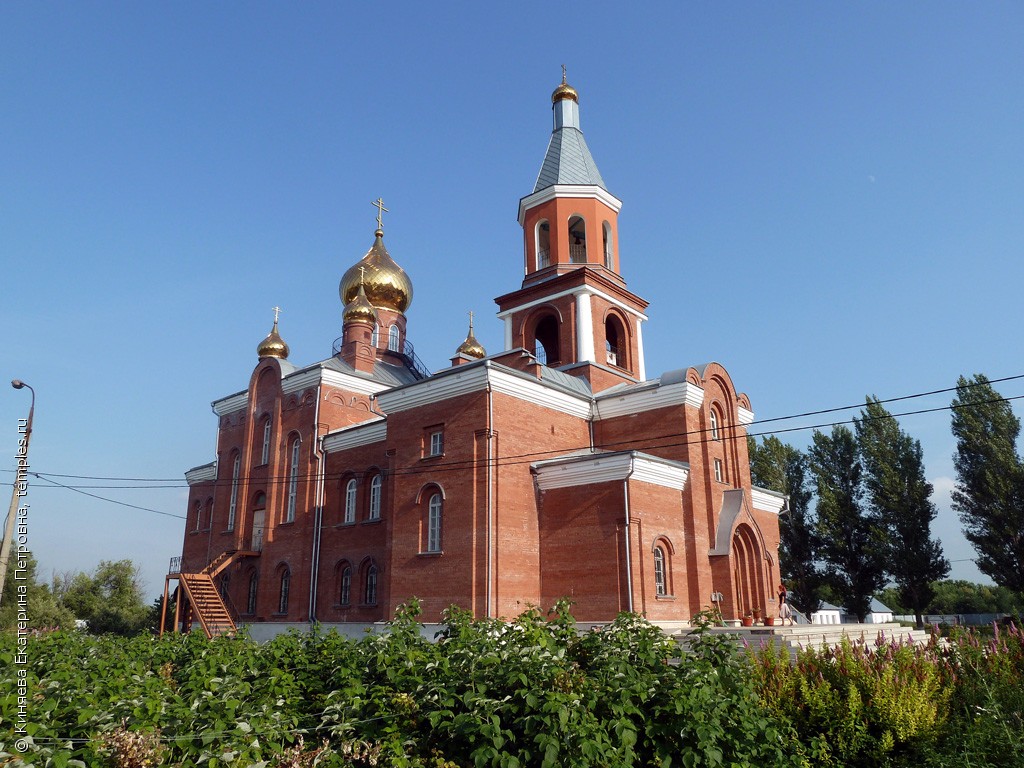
(103, 498)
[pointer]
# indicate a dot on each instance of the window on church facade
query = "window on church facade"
(345, 597)
(370, 593)
(375, 336)
(719, 474)
(435, 510)
(199, 513)
(714, 424)
(351, 488)
(293, 482)
(394, 340)
(209, 513)
(660, 582)
(609, 259)
(577, 240)
(546, 341)
(265, 454)
(375, 490)
(254, 585)
(543, 244)
(434, 444)
(614, 334)
(233, 508)
(286, 585)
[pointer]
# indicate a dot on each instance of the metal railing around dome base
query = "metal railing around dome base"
(407, 355)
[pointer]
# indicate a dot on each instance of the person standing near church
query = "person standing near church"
(784, 609)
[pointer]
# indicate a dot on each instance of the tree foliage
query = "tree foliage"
(852, 539)
(989, 494)
(43, 608)
(900, 499)
(111, 599)
(780, 467)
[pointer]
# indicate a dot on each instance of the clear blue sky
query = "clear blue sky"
(826, 198)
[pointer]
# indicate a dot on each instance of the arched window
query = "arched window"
(286, 585)
(375, 336)
(370, 592)
(351, 488)
(609, 258)
(345, 595)
(198, 507)
(546, 341)
(660, 583)
(233, 509)
(577, 240)
(224, 584)
(719, 473)
(614, 342)
(375, 488)
(293, 481)
(393, 339)
(714, 424)
(435, 508)
(254, 586)
(259, 521)
(265, 454)
(209, 513)
(543, 244)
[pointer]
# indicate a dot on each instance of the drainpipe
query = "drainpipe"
(318, 508)
(629, 566)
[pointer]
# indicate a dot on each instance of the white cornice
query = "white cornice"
(568, 190)
(533, 391)
(573, 292)
(604, 468)
(230, 404)
(203, 474)
(745, 416)
(375, 431)
(767, 501)
(432, 390)
(649, 398)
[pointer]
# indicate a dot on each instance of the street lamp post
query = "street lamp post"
(5, 549)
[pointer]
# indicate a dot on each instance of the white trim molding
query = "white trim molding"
(203, 474)
(649, 398)
(767, 501)
(744, 416)
(573, 292)
(589, 469)
(589, 191)
(230, 404)
(375, 431)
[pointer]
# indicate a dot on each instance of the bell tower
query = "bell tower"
(573, 311)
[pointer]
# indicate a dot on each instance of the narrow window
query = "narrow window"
(375, 336)
(209, 513)
(286, 585)
(434, 509)
(543, 244)
(224, 584)
(609, 260)
(265, 455)
(393, 339)
(350, 501)
(718, 470)
(199, 513)
(234, 492)
(346, 586)
(614, 342)
(577, 240)
(659, 572)
(375, 488)
(293, 482)
(714, 424)
(546, 341)
(254, 585)
(370, 593)
(436, 443)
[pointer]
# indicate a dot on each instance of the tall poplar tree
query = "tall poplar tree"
(852, 539)
(780, 467)
(900, 498)
(989, 493)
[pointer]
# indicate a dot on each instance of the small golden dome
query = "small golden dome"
(385, 283)
(564, 91)
(471, 347)
(273, 345)
(359, 310)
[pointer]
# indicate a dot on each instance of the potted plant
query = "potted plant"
(769, 621)
(748, 619)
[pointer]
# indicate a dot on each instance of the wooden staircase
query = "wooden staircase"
(202, 599)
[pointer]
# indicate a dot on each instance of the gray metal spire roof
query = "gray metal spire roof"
(568, 160)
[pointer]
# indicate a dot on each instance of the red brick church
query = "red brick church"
(554, 468)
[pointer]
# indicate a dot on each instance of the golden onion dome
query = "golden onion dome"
(360, 310)
(385, 283)
(471, 347)
(273, 345)
(564, 91)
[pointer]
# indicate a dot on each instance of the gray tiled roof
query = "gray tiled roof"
(568, 161)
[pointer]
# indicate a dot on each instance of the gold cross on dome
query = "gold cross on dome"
(277, 311)
(471, 320)
(563, 74)
(362, 275)
(381, 210)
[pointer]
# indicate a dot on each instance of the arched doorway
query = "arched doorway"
(747, 571)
